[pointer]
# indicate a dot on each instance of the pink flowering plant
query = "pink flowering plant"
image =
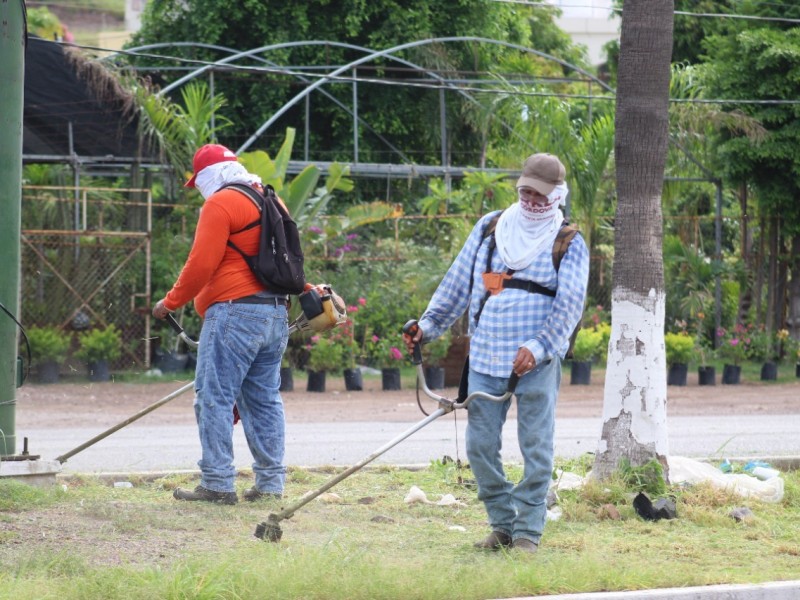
(384, 352)
(734, 344)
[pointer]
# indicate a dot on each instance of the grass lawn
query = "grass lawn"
(87, 539)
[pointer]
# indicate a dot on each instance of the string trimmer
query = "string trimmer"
(271, 529)
(321, 310)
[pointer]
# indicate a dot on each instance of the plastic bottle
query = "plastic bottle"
(765, 473)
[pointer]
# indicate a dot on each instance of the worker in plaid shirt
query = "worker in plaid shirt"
(517, 326)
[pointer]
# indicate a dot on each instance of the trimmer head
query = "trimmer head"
(269, 529)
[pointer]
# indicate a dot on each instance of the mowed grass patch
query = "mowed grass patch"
(362, 540)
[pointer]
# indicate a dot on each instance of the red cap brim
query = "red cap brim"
(190, 183)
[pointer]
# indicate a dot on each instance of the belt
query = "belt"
(274, 300)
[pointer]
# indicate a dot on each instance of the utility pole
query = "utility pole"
(13, 39)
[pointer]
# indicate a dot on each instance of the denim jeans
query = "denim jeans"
(238, 361)
(520, 509)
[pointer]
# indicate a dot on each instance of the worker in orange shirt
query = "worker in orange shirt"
(244, 334)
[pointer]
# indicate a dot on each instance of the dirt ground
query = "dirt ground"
(105, 404)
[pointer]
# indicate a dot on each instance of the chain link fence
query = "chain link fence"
(85, 264)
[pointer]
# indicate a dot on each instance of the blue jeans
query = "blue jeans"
(239, 361)
(518, 510)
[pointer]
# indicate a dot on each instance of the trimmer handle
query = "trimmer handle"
(179, 330)
(411, 328)
(173, 323)
(512, 383)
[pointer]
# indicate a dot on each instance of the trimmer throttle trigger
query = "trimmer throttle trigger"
(411, 328)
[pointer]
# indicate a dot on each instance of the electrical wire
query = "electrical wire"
(24, 335)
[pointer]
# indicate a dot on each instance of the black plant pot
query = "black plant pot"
(287, 380)
(98, 371)
(731, 374)
(580, 372)
(707, 375)
(172, 362)
(434, 378)
(769, 371)
(316, 381)
(48, 372)
(353, 381)
(678, 374)
(390, 378)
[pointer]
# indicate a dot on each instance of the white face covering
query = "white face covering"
(525, 228)
(218, 175)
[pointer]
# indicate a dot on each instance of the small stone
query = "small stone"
(366, 500)
(331, 498)
(382, 519)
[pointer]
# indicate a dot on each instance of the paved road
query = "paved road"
(155, 448)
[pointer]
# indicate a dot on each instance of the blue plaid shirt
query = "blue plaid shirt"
(513, 318)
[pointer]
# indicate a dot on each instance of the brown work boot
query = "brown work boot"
(524, 545)
(494, 541)
(205, 495)
(252, 494)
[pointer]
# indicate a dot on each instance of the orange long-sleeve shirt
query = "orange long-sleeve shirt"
(215, 272)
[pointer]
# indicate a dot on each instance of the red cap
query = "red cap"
(208, 155)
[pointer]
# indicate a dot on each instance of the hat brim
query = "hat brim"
(540, 186)
(190, 183)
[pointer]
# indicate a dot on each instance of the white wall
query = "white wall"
(589, 22)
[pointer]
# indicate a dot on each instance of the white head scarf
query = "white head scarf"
(218, 175)
(525, 229)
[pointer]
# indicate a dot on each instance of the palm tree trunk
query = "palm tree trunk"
(634, 405)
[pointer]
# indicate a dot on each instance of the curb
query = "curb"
(777, 590)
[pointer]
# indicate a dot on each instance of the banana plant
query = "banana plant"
(306, 200)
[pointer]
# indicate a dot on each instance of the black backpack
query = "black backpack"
(279, 262)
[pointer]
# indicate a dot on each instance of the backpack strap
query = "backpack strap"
(565, 235)
(256, 198)
(561, 244)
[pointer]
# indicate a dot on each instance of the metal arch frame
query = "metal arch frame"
(233, 51)
(388, 53)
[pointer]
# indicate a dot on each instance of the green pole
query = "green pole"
(12, 75)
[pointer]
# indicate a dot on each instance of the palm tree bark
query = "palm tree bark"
(634, 405)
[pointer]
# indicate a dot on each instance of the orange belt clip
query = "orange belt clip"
(493, 282)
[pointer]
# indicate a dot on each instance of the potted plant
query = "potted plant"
(734, 347)
(706, 373)
(49, 347)
(99, 347)
(287, 376)
(344, 335)
(680, 352)
(433, 354)
(325, 355)
(384, 353)
(764, 349)
(791, 350)
(587, 345)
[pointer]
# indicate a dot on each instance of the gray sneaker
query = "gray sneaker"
(202, 494)
(252, 494)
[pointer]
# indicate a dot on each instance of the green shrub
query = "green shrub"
(324, 354)
(680, 348)
(587, 345)
(100, 344)
(436, 351)
(48, 344)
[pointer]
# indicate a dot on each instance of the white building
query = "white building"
(592, 23)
